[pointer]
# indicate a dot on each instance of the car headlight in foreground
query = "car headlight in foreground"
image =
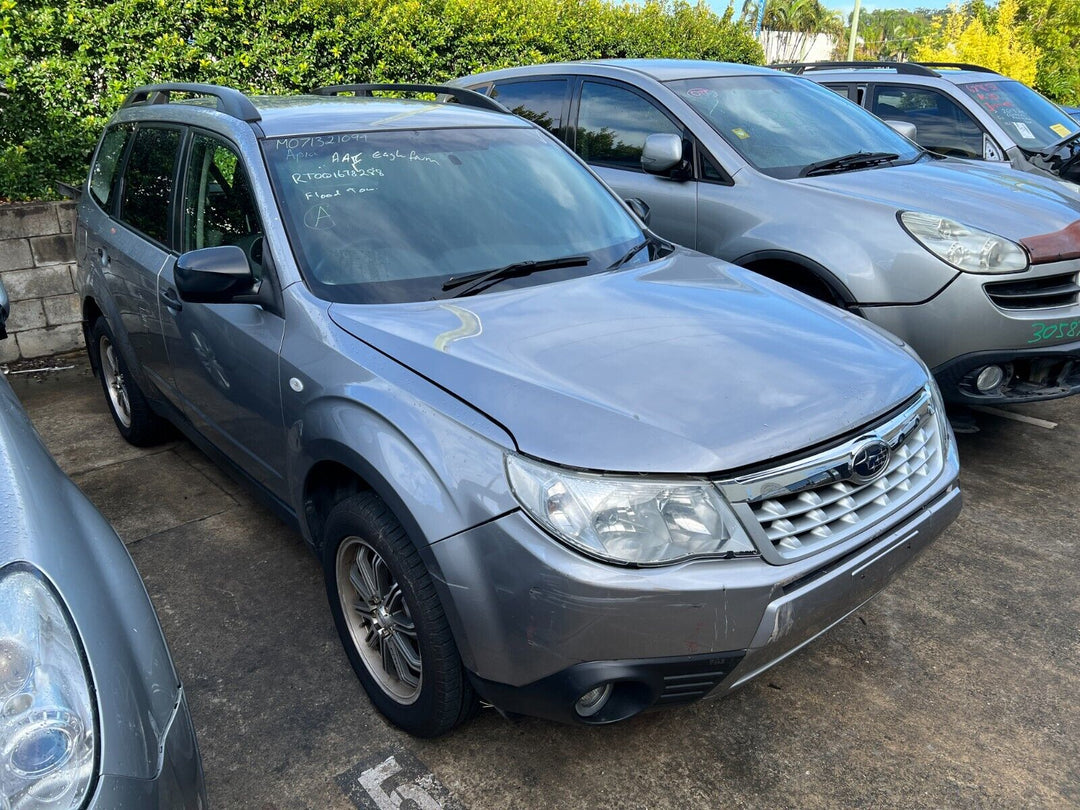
(47, 734)
(628, 520)
(965, 248)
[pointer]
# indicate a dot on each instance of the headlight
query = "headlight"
(636, 521)
(963, 247)
(46, 714)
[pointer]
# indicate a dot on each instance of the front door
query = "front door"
(613, 121)
(225, 356)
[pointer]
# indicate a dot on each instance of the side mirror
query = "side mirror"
(640, 208)
(216, 275)
(905, 128)
(5, 310)
(662, 153)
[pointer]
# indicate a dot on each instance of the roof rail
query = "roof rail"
(959, 66)
(469, 98)
(229, 100)
(907, 68)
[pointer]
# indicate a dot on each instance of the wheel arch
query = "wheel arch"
(784, 267)
(91, 311)
(339, 472)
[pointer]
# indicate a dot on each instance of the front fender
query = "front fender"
(436, 475)
(867, 268)
(858, 242)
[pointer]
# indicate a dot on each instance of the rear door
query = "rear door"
(545, 101)
(224, 357)
(133, 244)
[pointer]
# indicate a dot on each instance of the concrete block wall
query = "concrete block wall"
(37, 267)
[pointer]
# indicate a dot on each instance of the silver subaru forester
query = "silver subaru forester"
(547, 459)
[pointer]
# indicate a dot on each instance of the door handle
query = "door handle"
(170, 299)
(103, 256)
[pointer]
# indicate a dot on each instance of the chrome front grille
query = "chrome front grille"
(814, 503)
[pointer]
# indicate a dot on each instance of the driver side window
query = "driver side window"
(219, 208)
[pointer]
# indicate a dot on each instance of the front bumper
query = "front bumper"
(179, 780)
(961, 331)
(539, 625)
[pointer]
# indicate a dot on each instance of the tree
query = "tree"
(991, 38)
(1055, 25)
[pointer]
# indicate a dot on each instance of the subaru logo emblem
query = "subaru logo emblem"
(870, 460)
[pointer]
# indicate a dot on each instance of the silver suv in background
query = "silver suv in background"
(961, 110)
(974, 264)
(547, 459)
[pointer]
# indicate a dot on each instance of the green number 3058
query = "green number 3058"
(1054, 331)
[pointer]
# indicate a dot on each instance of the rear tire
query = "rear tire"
(390, 620)
(134, 418)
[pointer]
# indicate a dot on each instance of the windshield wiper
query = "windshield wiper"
(856, 160)
(632, 252)
(475, 282)
(1054, 147)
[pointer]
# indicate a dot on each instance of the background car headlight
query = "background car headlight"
(47, 737)
(964, 247)
(637, 521)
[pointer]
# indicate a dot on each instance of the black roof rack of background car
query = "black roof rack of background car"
(468, 98)
(229, 100)
(960, 66)
(908, 68)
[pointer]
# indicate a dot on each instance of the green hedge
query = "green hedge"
(68, 64)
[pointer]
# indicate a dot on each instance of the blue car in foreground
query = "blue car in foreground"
(92, 714)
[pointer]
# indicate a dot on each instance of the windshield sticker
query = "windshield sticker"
(1022, 128)
(1061, 129)
(741, 133)
(696, 92)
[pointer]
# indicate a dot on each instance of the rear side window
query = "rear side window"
(613, 123)
(941, 125)
(148, 181)
(539, 102)
(103, 173)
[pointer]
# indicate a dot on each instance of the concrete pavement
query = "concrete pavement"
(959, 686)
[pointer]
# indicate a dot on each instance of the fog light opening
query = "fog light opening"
(593, 701)
(990, 379)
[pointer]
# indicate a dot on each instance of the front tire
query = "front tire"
(134, 418)
(390, 620)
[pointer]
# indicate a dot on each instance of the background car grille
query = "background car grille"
(829, 507)
(1037, 293)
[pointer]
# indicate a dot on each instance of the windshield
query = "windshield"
(386, 217)
(1031, 120)
(782, 124)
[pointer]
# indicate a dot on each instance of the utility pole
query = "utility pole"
(854, 32)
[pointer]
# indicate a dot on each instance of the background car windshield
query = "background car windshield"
(781, 124)
(1031, 120)
(383, 217)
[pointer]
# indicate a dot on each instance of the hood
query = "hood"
(684, 365)
(984, 195)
